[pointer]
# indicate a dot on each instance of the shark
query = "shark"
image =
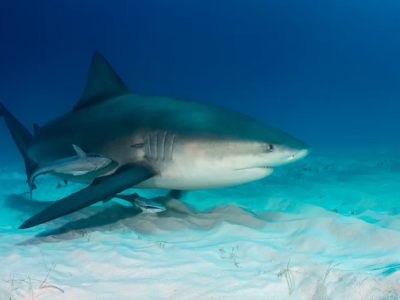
(78, 165)
(158, 142)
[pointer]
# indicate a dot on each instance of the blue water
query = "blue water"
(327, 72)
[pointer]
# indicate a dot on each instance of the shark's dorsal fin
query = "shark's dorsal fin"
(35, 128)
(103, 83)
(79, 151)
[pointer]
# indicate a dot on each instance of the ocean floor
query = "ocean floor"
(327, 227)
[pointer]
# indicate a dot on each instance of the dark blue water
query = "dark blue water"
(326, 72)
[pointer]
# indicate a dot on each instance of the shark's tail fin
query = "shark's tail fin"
(21, 136)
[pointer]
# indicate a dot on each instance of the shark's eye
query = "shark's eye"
(270, 147)
(139, 145)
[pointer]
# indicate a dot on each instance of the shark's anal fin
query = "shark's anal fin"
(103, 83)
(101, 188)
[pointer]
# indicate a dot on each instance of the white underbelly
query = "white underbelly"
(203, 179)
(186, 177)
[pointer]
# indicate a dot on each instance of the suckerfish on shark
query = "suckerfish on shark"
(81, 164)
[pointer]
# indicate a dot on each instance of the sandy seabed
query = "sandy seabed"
(322, 228)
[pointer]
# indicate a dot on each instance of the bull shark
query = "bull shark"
(81, 164)
(158, 143)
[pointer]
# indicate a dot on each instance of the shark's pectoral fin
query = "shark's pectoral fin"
(101, 188)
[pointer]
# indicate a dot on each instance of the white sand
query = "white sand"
(231, 243)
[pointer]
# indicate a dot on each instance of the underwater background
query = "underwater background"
(326, 227)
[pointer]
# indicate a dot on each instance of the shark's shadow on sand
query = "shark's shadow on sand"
(116, 217)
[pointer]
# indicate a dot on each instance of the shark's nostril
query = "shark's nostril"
(301, 154)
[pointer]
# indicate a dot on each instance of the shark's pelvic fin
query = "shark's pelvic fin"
(101, 188)
(79, 151)
(176, 194)
(35, 128)
(22, 137)
(103, 83)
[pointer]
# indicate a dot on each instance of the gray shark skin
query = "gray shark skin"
(81, 164)
(158, 143)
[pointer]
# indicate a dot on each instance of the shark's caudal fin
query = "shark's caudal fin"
(102, 84)
(21, 136)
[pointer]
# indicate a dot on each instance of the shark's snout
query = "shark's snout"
(300, 154)
(285, 151)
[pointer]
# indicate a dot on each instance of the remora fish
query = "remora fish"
(146, 205)
(78, 165)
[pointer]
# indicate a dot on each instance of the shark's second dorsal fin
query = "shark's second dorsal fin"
(103, 83)
(79, 151)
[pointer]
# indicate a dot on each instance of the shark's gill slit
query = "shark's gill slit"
(153, 146)
(150, 147)
(147, 150)
(162, 147)
(172, 147)
(156, 146)
(167, 146)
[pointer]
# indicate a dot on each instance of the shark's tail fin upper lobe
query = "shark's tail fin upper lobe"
(21, 136)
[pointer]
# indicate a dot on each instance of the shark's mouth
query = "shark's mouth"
(253, 168)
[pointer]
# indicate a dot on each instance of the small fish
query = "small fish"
(146, 205)
(78, 165)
